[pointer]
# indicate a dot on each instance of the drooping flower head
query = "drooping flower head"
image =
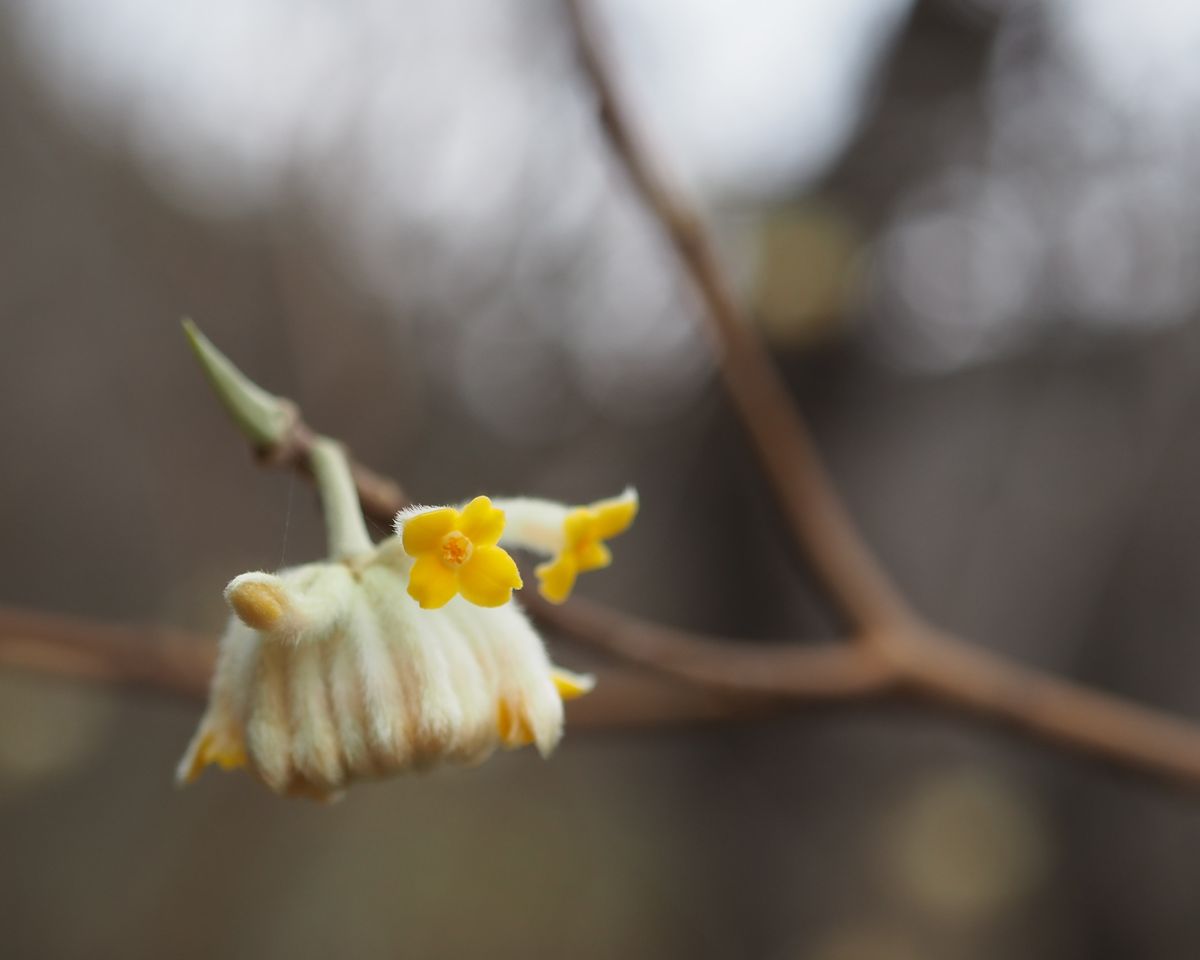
(395, 656)
(331, 672)
(388, 657)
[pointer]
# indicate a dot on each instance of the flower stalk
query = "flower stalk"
(344, 526)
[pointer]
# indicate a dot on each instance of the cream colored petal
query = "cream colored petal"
(522, 669)
(532, 524)
(268, 734)
(473, 735)
(220, 733)
(348, 703)
(385, 698)
(390, 553)
(430, 702)
(315, 749)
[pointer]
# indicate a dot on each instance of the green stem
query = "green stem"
(262, 417)
(344, 524)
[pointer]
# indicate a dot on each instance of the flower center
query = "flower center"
(456, 549)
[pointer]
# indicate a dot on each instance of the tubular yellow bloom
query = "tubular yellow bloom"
(573, 537)
(455, 552)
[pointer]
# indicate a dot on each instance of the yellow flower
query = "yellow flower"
(584, 531)
(456, 552)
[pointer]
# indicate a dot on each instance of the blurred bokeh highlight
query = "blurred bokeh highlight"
(969, 230)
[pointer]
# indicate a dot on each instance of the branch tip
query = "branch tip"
(263, 418)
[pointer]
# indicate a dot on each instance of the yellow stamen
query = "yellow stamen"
(456, 549)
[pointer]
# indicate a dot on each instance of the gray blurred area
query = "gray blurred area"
(983, 292)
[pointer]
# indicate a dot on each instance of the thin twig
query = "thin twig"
(381, 497)
(784, 670)
(1049, 708)
(142, 657)
(814, 512)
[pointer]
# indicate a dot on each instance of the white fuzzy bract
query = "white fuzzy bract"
(331, 672)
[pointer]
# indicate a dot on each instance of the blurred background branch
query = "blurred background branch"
(905, 650)
(890, 649)
(160, 660)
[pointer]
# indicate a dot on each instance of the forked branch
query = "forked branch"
(907, 651)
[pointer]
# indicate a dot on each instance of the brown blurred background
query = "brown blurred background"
(971, 232)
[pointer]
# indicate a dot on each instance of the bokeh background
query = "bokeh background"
(970, 231)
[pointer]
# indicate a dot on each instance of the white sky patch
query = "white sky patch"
(755, 96)
(449, 150)
(751, 96)
(1142, 57)
(459, 126)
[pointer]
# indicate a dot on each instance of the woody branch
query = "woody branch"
(903, 650)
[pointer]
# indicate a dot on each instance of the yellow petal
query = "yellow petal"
(614, 516)
(513, 725)
(592, 556)
(556, 578)
(423, 532)
(431, 583)
(571, 686)
(578, 526)
(229, 756)
(489, 577)
(482, 523)
(199, 759)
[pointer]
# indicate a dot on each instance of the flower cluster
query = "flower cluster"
(401, 655)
